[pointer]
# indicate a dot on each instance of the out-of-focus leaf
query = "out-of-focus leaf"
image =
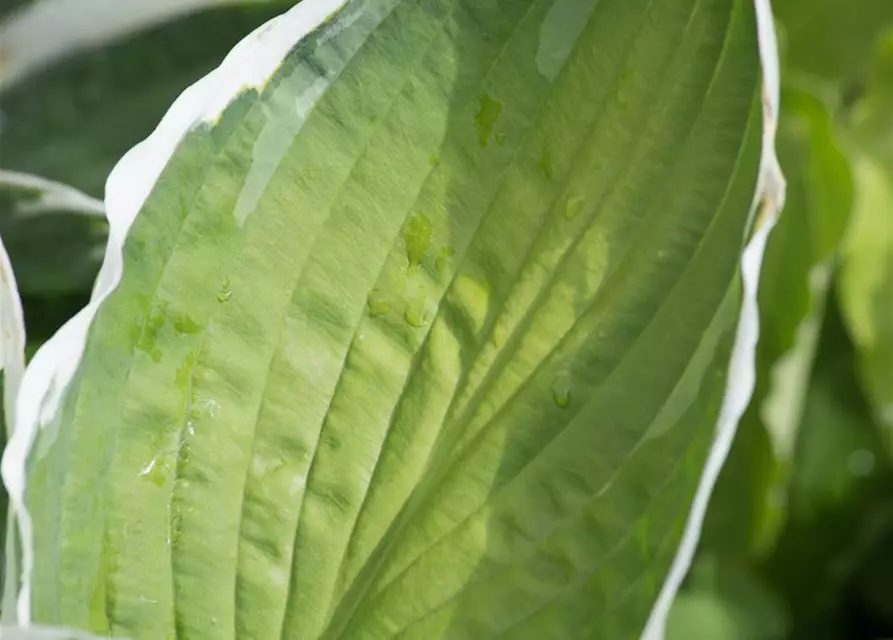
(866, 278)
(744, 511)
(871, 120)
(8, 7)
(426, 338)
(73, 121)
(798, 264)
(37, 34)
(840, 494)
(722, 601)
(54, 234)
(832, 39)
(866, 283)
(874, 579)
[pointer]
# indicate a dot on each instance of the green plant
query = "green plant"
(422, 318)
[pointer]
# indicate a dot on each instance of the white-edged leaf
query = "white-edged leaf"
(427, 334)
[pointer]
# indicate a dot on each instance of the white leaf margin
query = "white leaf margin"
(250, 65)
(767, 205)
(12, 366)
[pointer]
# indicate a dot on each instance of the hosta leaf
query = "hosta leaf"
(426, 337)
(72, 122)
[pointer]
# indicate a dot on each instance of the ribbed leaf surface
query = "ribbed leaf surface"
(426, 339)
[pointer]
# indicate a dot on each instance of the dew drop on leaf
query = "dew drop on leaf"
(445, 254)
(561, 395)
(414, 317)
(225, 293)
(378, 306)
(417, 238)
(573, 207)
(488, 113)
(547, 163)
(153, 472)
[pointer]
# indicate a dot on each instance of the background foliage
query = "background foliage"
(798, 537)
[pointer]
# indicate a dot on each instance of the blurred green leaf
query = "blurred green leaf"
(832, 39)
(871, 120)
(794, 280)
(866, 279)
(867, 283)
(10, 6)
(726, 602)
(840, 494)
(74, 121)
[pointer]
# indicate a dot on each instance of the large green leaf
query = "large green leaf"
(72, 122)
(428, 337)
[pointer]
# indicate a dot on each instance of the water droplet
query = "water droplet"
(183, 454)
(209, 408)
(176, 532)
(573, 207)
(378, 305)
(415, 317)
(547, 163)
(186, 325)
(225, 292)
(434, 160)
(417, 238)
(443, 257)
(488, 113)
(147, 340)
(184, 372)
(561, 395)
(154, 472)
